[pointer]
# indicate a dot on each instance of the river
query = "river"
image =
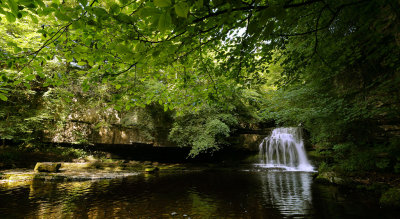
(224, 193)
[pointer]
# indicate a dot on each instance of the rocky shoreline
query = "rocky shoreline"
(82, 171)
(386, 186)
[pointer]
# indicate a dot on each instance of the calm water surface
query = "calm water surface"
(207, 194)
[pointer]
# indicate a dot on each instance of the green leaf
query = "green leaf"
(3, 97)
(164, 22)
(41, 74)
(83, 2)
(162, 3)
(100, 12)
(199, 4)
(12, 5)
(61, 16)
(118, 86)
(182, 9)
(30, 77)
(140, 46)
(17, 49)
(10, 17)
(40, 3)
(122, 48)
(33, 18)
(156, 53)
(29, 5)
(147, 12)
(115, 9)
(124, 18)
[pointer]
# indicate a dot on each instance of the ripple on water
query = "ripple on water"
(217, 194)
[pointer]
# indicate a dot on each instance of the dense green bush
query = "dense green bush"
(205, 130)
(391, 198)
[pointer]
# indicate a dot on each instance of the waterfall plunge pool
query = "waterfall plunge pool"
(280, 185)
(244, 192)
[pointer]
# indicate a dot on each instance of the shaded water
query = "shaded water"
(239, 193)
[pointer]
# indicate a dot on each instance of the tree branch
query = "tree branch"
(335, 14)
(53, 38)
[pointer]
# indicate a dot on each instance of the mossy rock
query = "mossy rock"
(47, 167)
(391, 198)
(20, 177)
(151, 169)
(330, 177)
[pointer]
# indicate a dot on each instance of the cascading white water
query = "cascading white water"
(284, 148)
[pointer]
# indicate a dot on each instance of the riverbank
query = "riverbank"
(17, 164)
(26, 156)
(386, 186)
(92, 170)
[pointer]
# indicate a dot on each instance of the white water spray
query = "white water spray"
(284, 148)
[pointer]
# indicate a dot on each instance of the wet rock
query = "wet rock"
(79, 160)
(391, 198)
(133, 162)
(90, 159)
(147, 163)
(151, 169)
(330, 177)
(47, 167)
(19, 176)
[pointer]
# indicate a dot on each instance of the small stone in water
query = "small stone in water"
(185, 215)
(173, 213)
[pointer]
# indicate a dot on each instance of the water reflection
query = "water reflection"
(290, 192)
(210, 194)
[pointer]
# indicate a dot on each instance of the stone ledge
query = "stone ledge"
(47, 167)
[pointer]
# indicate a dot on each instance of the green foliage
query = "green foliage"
(26, 155)
(205, 130)
(332, 67)
(323, 167)
(391, 198)
(336, 84)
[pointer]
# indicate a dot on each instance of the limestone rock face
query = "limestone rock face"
(47, 167)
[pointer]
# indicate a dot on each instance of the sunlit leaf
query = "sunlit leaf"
(10, 17)
(3, 97)
(162, 3)
(182, 9)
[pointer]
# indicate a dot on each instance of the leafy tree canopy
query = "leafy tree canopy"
(335, 64)
(183, 44)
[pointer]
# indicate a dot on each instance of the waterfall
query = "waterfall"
(284, 148)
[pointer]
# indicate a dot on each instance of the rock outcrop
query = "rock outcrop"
(47, 167)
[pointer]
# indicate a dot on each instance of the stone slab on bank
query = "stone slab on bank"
(47, 167)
